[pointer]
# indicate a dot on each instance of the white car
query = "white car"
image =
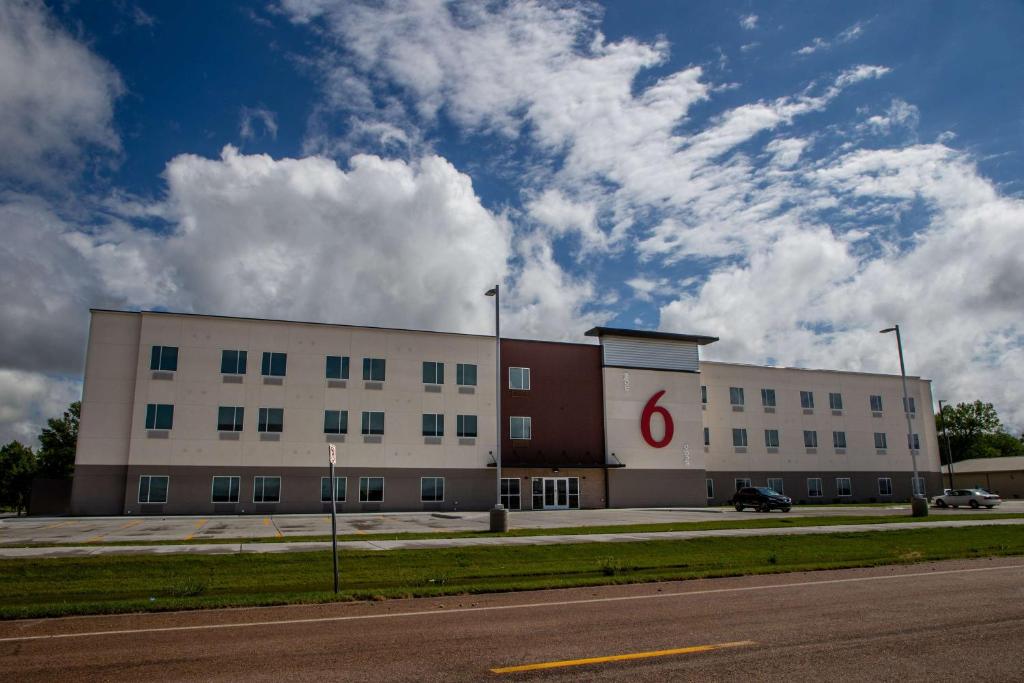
(975, 498)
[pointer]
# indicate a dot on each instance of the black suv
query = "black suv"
(761, 498)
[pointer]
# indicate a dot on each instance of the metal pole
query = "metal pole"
(497, 344)
(949, 447)
(906, 411)
(334, 530)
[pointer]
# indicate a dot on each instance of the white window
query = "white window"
(335, 422)
(810, 438)
(768, 398)
(374, 369)
(230, 418)
(742, 483)
(153, 488)
(433, 372)
(707, 436)
(519, 379)
(510, 493)
(914, 442)
(371, 489)
(919, 486)
(814, 487)
(373, 423)
(807, 399)
(771, 438)
(736, 396)
(465, 426)
(266, 489)
(703, 394)
(835, 401)
(433, 424)
(465, 374)
(709, 484)
(908, 405)
(884, 486)
(271, 420)
(431, 489)
(777, 484)
(520, 428)
(839, 439)
(340, 489)
(880, 441)
(876, 404)
(843, 486)
(274, 364)
(159, 416)
(224, 489)
(739, 438)
(164, 358)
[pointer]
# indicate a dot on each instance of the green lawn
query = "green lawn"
(756, 521)
(52, 587)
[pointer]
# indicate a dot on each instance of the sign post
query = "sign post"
(334, 513)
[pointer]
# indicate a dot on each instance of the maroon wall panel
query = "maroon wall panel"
(565, 402)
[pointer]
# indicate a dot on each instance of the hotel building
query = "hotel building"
(198, 414)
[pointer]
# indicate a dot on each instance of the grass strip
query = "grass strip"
(772, 521)
(106, 585)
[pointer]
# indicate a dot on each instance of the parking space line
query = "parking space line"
(199, 525)
(129, 525)
(621, 658)
(266, 521)
(94, 539)
(60, 524)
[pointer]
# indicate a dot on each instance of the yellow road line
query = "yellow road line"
(266, 521)
(621, 658)
(59, 524)
(201, 523)
(94, 539)
(129, 525)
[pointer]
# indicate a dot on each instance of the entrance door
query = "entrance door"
(556, 493)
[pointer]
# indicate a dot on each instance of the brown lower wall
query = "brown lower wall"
(864, 484)
(656, 488)
(591, 483)
(98, 489)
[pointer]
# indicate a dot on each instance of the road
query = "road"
(14, 531)
(914, 622)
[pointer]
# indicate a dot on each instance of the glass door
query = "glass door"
(556, 493)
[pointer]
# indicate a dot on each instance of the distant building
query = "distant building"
(199, 414)
(1004, 476)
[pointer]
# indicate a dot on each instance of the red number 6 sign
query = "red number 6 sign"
(650, 409)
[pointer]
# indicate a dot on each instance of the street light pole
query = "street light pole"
(499, 515)
(918, 510)
(949, 448)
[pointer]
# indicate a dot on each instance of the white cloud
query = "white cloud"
(814, 46)
(564, 216)
(56, 97)
(28, 399)
(900, 114)
(749, 21)
(251, 117)
(847, 35)
(644, 288)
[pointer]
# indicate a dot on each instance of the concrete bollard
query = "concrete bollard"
(918, 507)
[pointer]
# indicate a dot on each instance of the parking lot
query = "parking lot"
(46, 530)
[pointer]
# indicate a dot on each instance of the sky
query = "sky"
(791, 177)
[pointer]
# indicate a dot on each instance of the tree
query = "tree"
(56, 459)
(17, 467)
(975, 432)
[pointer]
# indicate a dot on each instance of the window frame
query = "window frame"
(740, 432)
(909, 401)
(436, 422)
(736, 396)
(366, 427)
(435, 499)
(767, 394)
(237, 419)
(240, 365)
(460, 374)
(343, 366)
(158, 354)
(342, 421)
(836, 439)
(880, 491)
(739, 485)
(232, 478)
(364, 491)
(437, 372)
(149, 489)
(820, 489)
(262, 479)
(807, 400)
(871, 403)
(704, 394)
(524, 378)
(268, 364)
(263, 425)
(507, 495)
(849, 487)
(527, 423)
(709, 488)
(884, 441)
(707, 436)
(370, 367)
(461, 431)
(781, 489)
(914, 441)
(325, 485)
(813, 433)
(155, 412)
(835, 400)
(767, 440)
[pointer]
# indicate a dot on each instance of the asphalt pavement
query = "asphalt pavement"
(924, 622)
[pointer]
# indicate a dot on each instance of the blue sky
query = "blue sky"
(789, 176)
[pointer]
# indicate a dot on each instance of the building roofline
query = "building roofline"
(649, 334)
(289, 322)
(784, 367)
